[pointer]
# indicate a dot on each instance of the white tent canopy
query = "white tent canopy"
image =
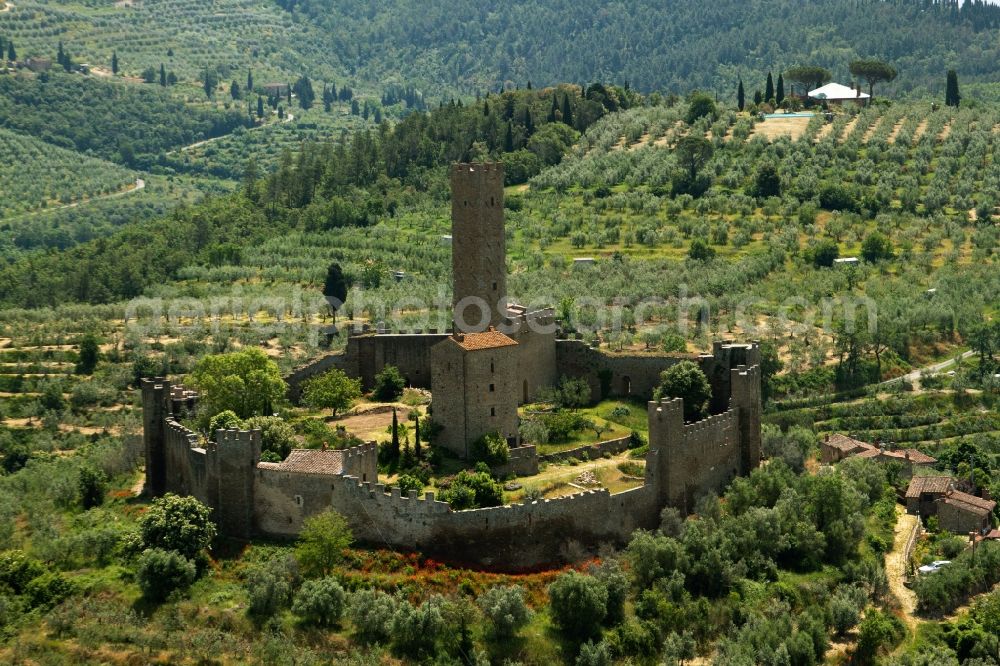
(836, 92)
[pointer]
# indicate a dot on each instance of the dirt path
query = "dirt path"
(895, 566)
(198, 144)
(7, 6)
(914, 376)
(138, 186)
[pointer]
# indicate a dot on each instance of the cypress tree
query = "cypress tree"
(486, 107)
(769, 88)
(951, 95)
(416, 437)
(11, 53)
(553, 110)
(395, 436)
(508, 142)
(249, 80)
(567, 111)
(781, 89)
(740, 96)
(163, 75)
(114, 62)
(529, 125)
(757, 97)
(260, 106)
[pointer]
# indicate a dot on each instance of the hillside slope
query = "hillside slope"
(671, 45)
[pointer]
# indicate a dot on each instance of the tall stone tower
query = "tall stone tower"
(478, 249)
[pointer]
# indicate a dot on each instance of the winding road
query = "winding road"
(936, 367)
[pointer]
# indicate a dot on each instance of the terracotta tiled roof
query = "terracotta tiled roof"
(486, 340)
(845, 443)
(928, 484)
(310, 461)
(993, 534)
(970, 503)
(870, 453)
(919, 458)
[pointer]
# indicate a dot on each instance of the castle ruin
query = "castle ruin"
(478, 373)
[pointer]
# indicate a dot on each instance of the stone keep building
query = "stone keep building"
(475, 389)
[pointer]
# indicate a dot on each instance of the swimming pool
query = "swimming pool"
(801, 114)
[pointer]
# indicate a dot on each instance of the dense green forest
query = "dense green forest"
(109, 120)
(667, 46)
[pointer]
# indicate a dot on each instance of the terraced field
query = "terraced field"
(37, 176)
(231, 34)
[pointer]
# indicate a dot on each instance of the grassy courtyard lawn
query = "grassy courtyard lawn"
(613, 411)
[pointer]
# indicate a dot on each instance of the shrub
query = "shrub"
(700, 251)
(491, 449)
(333, 390)
(416, 630)
(320, 602)
(578, 604)
(686, 381)
(371, 612)
(276, 435)
(845, 608)
(533, 431)
(833, 196)
(878, 632)
(92, 485)
(408, 482)
(389, 384)
(181, 524)
(824, 253)
(322, 542)
(473, 490)
(268, 591)
(17, 569)
(225, 420)
(505, 609)
(160, 572)
(48, 590)
(594, 654)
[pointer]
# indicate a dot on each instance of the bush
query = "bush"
(594, 654)
(268, 592)
(408, 482)
(473, 490)
(181, 524)
(17, 569)
(48, 590)
(226, 420)
(491, 449)
(416, 630)
(322, 542)
(320, 602)
(578, 604)
(333, 390)
(276, 435)
(700, 251)
(686, 381)
(92, 485)
(160, 572)
(505, 609)
(836, 197)
(389, 384)
(371, 612)
(824, 253)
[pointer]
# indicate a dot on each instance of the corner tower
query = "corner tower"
(478, 250)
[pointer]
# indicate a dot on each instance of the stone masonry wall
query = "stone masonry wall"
(693, 458)
(631, 374)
